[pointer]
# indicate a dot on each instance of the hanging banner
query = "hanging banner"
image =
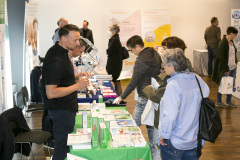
(2, 49)
(155, 26)
(235, 22)
(31, 58)
(152, 25)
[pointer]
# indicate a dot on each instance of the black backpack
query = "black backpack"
(125, 54)
(210, 125)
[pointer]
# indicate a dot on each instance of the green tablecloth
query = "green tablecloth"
(130, 153)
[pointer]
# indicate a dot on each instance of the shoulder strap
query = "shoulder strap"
(199, 85)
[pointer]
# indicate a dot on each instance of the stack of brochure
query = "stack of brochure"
(80, 140)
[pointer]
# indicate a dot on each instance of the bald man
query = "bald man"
(61, 22)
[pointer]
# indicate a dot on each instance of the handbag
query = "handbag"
(210, 125)
(147, 117)
(125, 54)
(226, 85)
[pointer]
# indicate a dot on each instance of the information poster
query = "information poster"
(2, 49)
(130, 24)
(152, 25)
(235, 22)
(31, 58)
(155, 26)
(237, 82)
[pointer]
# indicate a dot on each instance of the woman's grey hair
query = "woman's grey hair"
(176, 58)
(115, 28)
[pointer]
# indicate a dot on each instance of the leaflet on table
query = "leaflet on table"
(81, 95)
(103, 77)
(127, 140)
(109, 95)
(78, 139)
(84, 106)
(116, 111)
(73, 157)
(123, 116)
(125, 130)
(126, 122)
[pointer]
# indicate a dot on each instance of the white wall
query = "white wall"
(189, 18)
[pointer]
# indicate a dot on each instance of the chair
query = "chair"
(23, 136)
(30, 107)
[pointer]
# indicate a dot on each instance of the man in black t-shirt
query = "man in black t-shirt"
(60, 89)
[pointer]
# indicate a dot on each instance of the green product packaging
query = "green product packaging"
(100, 99)
(94, 130)
(103, 135)
(107, 123)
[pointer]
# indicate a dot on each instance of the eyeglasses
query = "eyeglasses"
(130, 50)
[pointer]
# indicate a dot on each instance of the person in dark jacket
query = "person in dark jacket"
(226, 64)
(114, 53)
(85, 32)
(147, 65)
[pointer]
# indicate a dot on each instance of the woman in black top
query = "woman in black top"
(114, 53)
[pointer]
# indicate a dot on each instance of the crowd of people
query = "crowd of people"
(176, 121)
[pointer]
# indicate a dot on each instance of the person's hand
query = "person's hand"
(161, 140)
(95, 86)
(83, 82)
(86, 74)
(117, 100)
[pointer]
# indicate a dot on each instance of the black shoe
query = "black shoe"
(49, 144)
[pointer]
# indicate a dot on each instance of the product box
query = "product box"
(107, 123)
(84, 120)
(100, 99)
(103, 135)
(94, 130)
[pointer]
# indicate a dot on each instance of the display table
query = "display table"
(200, 61)
(95, 97)
(128, 153)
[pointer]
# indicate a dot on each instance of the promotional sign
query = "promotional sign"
(152, 25)
(2, 49)
(6, 99)
(155, 26)
(237, 82)
(235, 22)
(31, 58)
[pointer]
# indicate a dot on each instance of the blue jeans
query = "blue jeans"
(169, 152)
(211, 58)
(232, 73)
(141, 103)
(63, 124)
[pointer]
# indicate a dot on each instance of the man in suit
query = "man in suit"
(85, 32)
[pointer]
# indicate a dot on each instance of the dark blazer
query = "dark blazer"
(89, 34)
(221, 64)
(114, 53)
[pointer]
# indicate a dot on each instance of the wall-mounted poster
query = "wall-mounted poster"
(155, 26)
(152, 25)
